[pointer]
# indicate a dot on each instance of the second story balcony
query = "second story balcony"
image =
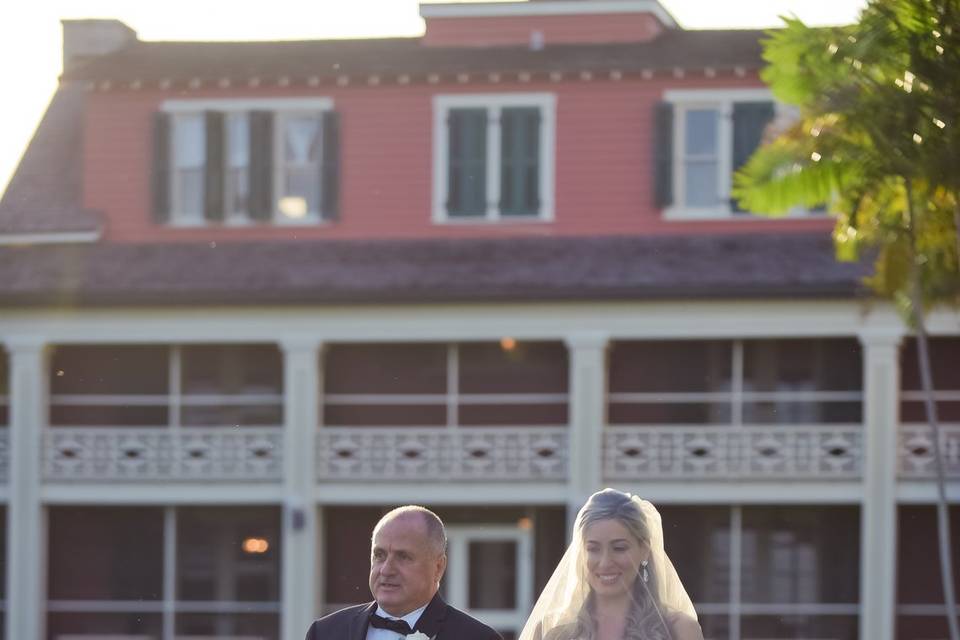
(487, 412)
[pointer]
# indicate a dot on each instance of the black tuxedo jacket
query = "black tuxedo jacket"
(439, 620)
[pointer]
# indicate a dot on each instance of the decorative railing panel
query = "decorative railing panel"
(163, 454)
(423, 454)
(760, 452)
(915, 451)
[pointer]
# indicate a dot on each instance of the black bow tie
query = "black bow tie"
(398, 626)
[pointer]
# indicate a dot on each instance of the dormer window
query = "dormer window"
(238, 162)
(493, 157)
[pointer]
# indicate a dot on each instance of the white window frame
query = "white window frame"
(458, 573)
(281, 109)
(494, 103)
(723, 100)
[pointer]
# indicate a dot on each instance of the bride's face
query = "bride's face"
(613, 557)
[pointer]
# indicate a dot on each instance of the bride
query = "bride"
(615, 581)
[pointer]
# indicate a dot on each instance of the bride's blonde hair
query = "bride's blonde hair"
(645, 619)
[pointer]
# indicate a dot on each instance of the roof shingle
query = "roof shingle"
(792, 265)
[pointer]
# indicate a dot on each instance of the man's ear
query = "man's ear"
(441, 565)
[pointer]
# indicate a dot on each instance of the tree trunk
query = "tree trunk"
(926, 378)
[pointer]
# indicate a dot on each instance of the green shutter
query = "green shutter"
(330, 166)
(467, 170)
(261, 165)
(750, 120)
(520, 161)
(160, 171)
(663, 155)
(213, 201)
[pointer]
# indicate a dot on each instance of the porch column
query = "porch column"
(878, 517)
(301, 386)
(588, 386)
(26, 534)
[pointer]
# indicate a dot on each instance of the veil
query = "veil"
(567, 593)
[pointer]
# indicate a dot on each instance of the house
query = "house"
(256, 293)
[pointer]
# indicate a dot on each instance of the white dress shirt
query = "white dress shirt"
(385, 634)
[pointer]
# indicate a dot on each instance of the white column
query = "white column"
(301, 384)
(588, 387)
(878, 518)
(25, 517)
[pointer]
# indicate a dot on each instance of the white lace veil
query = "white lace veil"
(565, 602)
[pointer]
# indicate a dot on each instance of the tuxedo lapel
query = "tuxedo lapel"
(358, 626)
(431, 620)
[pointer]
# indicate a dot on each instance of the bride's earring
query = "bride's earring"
(644, 572)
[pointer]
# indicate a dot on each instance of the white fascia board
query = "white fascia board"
(522, 9)
(73, 237)
(164, 493)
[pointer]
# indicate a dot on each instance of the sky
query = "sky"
(30, 36)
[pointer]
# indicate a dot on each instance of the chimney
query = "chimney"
(85, 39)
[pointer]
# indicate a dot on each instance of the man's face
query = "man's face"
(405, 569)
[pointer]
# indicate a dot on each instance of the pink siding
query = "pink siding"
(591, 29)
(603, 166)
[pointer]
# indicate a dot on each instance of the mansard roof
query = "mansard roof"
(142, 63)
(742, 266)
(44, 194)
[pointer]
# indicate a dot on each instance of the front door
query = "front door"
(490, 575)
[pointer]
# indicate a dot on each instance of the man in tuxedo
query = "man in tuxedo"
(407, 558)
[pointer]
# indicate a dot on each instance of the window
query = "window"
(921, 613)
(240, 162)
(164, 572)
(768, 571)
(493, 157)
(702, 139)
(160, 386)
(467, 385)
(738, 382)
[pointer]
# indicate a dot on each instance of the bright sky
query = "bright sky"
(30, 54)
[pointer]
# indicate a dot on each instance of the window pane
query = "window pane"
(135, 626)
(918, 554)
(802, 365)
(790, 557)
(493, 575)
(670, 413)
(189, 143)
(228, 554)
(788, 412)
(109, 370)
(384, 415)
(701, 132)
(697, 540)
(512, 414)
(671, 366)
(700, 180)
(799, 627)
(237, 188)
(526, 367)
(233, 370)
(302, 153)
(106, 553)
(227, 626)
(386, 368)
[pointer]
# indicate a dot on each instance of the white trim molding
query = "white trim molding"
(64, 237)
(246, 104)
(522, 9)
(494, 103)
